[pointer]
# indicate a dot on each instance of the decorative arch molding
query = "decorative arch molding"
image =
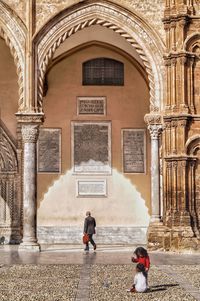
(192, 41)
(8, 153)
(127, 24)
(13, 31)
(192, 145)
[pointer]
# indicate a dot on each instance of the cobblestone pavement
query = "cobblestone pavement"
(78, 276)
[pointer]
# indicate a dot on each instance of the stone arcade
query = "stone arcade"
(100, 111)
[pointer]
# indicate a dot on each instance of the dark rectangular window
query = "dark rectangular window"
(103, 71)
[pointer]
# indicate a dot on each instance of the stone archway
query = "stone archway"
(13, 31)
(135, 30)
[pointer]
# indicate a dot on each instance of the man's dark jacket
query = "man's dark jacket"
(89, 225)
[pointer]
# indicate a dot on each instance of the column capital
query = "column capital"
(155, 130)
(154, 124)
(153, 118)
(30, 133)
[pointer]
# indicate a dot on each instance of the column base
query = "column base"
(29, 246)
(176, 239)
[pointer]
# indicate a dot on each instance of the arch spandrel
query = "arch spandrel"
(128, 25)
(13, 31)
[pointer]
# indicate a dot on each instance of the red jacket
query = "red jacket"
(144, 260)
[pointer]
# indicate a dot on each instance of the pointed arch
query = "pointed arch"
(13, 31)
(192, 145)
(8, 152)
(114, 17)
(191, 41)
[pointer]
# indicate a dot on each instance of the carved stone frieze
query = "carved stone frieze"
(18, 6)
(30, 118)
(153, 119)
(130, 27)
(146, 9)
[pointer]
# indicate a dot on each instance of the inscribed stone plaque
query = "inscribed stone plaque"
(91, 147)
(134, 150)
(49, 150)
(93, 188)
(91, 105)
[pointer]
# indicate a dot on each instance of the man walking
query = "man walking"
(89, 228)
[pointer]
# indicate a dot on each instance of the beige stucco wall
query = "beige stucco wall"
(128, 197)
(8, 88)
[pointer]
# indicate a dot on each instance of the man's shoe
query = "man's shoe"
(95, 246)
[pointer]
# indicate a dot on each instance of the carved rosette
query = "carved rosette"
(30, 133)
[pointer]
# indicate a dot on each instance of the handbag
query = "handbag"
(85, 238)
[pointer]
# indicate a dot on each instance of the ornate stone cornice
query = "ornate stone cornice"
(176, 117)
(126, 24)
(30, 118)
(13, 31)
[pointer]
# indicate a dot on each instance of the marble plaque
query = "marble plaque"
(91, 147)
(49, 148)
(134, 150)
(91, 105)
(91, 188)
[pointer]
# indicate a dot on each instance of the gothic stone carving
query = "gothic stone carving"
(140, 38)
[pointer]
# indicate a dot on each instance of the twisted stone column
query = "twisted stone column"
(29, 137)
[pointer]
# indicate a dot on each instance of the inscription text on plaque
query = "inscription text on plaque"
(49, 157)
(91, 147)
(91, 105)
(91, 188)
(134, 150)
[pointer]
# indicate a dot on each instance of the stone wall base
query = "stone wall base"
(178, 239)
(104, 235)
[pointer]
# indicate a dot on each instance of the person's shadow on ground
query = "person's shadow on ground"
(161, 287)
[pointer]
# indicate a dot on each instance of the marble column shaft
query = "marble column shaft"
(155, 131)
(29, 136)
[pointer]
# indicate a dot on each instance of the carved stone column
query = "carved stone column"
(155, 128)
(29, 138)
